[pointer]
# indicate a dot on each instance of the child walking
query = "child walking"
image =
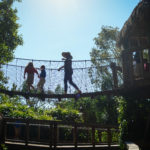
(42, 78)
(30, 70)
(68, 71)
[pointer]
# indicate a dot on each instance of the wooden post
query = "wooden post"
(114, 72)
(39, 131)
(1, 130)
(109, 137)
(55, 135)
(141, 64)
(127, 67)
(50, 135)
(75, 136)
(93, 137)
(27, 133)
(5, 130)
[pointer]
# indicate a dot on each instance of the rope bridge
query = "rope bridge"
(54, 84)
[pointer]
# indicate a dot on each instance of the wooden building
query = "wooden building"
(134, 40)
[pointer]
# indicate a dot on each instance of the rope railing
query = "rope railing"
(14, 71)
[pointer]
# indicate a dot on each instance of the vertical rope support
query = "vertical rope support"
(82, 81)
(16, 70)
(86, 89)
(49, 77)
(21, 75)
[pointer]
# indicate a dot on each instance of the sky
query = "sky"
(49, 27)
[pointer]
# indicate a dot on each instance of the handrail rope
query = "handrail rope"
(56, 69)
(109, 58)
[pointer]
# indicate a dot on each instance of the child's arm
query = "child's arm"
(60, 68)
(36, 72)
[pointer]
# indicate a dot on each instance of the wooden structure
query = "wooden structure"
(134, 40)
(46, 134)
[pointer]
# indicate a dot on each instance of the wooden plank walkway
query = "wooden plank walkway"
(139, 91)
(59, 96)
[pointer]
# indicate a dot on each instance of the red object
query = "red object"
(30, 70)
(146, 66)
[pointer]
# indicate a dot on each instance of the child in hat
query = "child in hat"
(68, 71)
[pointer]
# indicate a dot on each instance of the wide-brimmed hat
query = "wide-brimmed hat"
(66, 55)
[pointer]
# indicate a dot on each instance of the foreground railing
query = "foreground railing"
(57, 133)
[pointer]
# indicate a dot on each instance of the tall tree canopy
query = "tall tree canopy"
(9, 38)
(100, 56)
(106, 44)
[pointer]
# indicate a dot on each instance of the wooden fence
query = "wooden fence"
(57, 133)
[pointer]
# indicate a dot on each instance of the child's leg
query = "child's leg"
(73, 84)
(39, 85)
(65, 84)
(28, 87)
(42, 84)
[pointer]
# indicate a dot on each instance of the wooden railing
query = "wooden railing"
(57, 133)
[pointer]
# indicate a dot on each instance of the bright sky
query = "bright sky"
(49, 27)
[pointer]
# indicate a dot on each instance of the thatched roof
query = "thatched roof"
(135, 34)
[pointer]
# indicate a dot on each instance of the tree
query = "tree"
(9, 38)
(102, 56)
(100, 73)
(59, 89)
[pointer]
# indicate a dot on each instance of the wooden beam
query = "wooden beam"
(59, 96)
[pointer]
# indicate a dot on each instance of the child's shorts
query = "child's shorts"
(30, 78)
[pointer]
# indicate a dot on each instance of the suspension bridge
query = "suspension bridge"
(83, 73)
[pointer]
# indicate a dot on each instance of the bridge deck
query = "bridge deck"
(139, 91)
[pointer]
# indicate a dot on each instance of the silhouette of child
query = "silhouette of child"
(30, 70)
(42, 78)
(68, 71)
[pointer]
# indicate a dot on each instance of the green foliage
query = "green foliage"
(9, 38)
(106, 44)
(97, 110)
(122, 106)
(65, 114)
(3, 146)
(3, 80)
(104, 137)
(59, 89)
(133, 115)
(14, 108)
(106, 48)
